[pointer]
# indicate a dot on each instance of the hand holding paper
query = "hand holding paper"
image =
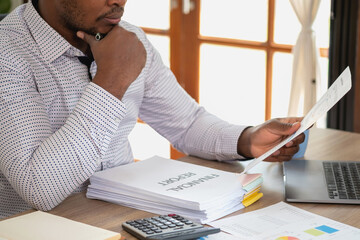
(337, 90)
(254, 141)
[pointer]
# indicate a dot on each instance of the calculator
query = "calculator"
(167, 227)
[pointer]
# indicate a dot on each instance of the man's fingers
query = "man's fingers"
(291, 120)
(278, 159)
(287, 125)
(289, 151)
(86, 37)
(294, 127)
(296, 141)
(281, 128)
(283, 154)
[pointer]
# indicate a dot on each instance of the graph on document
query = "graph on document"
(282, 221)
(314, 231)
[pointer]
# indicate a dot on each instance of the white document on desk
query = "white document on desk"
(282, 221)
(336, 91)
(161, 185)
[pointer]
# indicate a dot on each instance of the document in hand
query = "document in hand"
(335, 92)
(163, 186)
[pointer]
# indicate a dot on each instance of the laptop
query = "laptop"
(322, 181)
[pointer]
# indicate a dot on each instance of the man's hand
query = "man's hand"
(120, 57)
(255, 141)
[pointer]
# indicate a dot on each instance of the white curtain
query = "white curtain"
(306, 78)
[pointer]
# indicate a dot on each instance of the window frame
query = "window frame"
(185, 42)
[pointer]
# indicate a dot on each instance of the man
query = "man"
(65, 116)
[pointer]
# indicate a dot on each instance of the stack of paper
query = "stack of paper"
(163, 186)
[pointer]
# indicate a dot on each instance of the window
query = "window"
(229, 53)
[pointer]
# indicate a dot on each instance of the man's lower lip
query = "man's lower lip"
(112, 20)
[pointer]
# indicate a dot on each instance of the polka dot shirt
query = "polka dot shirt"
(57, 127)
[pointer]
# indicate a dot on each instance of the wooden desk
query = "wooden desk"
(324, 144)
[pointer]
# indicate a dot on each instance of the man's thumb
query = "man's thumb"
(286, 128)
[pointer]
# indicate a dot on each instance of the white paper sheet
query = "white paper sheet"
(337, 90)
(218, 236)
(171, 180)
(282, 221)
(161, 185)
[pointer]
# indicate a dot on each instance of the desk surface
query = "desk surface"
(324, 144)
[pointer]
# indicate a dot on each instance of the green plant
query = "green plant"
(5, 6)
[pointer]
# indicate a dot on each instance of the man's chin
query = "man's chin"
(106, 29)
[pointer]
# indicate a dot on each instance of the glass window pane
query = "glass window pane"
(241, 19)
(145, 13)
(322, 24)
(232, 83)
(281, 84)
(288, 27)
(145, 142)
(282, 74)
(162, 44)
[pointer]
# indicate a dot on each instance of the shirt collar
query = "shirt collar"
(51, 44)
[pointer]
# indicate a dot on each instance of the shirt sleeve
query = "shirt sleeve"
(45, 166)
(175, 115)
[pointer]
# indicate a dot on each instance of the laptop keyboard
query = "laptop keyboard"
(343, 179)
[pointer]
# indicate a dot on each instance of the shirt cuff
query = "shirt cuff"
(229, 141)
